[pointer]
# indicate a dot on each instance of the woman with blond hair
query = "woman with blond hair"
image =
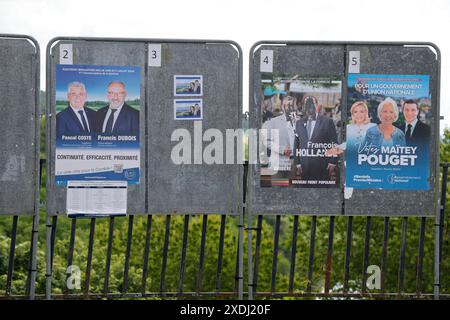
(386, 134)
(356, 130)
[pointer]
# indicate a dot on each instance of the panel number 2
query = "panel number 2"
(66, 53)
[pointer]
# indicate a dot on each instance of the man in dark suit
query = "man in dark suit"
(310, 161)
(416, 132)
(75, 119)
(117, 117)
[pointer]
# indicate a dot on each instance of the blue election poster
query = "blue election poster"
(388, 132)
(97, 123)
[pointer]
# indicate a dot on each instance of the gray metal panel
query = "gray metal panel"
(398, 59)
(19, 125)
(193, 188)
(97, 53)
(310, 60)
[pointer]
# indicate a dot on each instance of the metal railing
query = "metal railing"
(291, 256)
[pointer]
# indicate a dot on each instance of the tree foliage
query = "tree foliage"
(228, 273)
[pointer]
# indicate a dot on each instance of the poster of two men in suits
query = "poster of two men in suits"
(97, 123)
(300, 119)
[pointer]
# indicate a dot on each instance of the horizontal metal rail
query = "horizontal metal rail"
(309, 273)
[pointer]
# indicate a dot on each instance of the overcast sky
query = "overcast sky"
(242, 21)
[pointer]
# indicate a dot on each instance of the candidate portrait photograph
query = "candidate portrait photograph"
(117, 117)
(76, 118)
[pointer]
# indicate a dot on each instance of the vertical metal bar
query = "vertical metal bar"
(442, 217)
(401, 273)
(12, 250)
(162, 287)
(366, 255)
(420, 257)
(329, 262)
(220, 257)
(249, 231)
(48, 265)
(275, 254)
(384, 254)
(50, 241)
(241, 218)
(41, 167)
(249, 253)
(108, 255)
(257, 253)
(236, 274)
(70, 251)
(293, 254)
(240, 257)
(202, 255)
(48, 153)
(32, 264)
(32, 270)
(53, 236)
(348, 249)
(183, 254)
(128, 254)
(312, 244)
(146, 252)
(437, 235)
(30, 261)
(87, 282)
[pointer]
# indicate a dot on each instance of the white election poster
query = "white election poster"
(97, 123)
(96, 198)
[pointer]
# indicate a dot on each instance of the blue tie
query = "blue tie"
(83, 121)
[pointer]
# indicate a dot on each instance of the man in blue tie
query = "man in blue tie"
(75, 119)
(416, 132)
(117, 117)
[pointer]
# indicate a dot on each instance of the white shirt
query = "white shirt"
(116, 114)
(413, 125)
(277, 141)
(79, 117)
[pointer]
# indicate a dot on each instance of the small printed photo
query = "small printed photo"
(188, 109)
(190, 85)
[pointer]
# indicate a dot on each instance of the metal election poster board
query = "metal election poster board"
(117, 106)
(93, 77)
(396, 86)
(292, 175)
(382, 99)
(19, 150)
(204, 115)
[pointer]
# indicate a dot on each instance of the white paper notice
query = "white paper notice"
(354, 61)
(65, 53)
(266, 63)
(96, 198)
(154, 55)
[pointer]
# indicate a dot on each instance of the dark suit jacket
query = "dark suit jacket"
(315, 168)
(67, 122)
(127, 122)
(420, 136)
